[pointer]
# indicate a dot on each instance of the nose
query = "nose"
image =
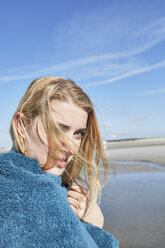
(68, 150)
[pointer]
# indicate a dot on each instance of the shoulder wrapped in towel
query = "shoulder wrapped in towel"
(35, 213)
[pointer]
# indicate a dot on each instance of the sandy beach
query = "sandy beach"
(133, 201)
(150, 150)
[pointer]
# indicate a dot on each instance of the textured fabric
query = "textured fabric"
(35, 213)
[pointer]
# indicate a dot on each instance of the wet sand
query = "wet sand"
(134, 209)
(133, 201)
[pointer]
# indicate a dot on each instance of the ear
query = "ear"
(18, 119)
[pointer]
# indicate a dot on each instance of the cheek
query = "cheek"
(42, 135)
(77, 145)
(42, 153)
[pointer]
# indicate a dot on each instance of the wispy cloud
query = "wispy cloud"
(128, 74)
(149, 36)
(107, 124)
(140, 118)
(113, 68)
(124, 112)
(18, 77)
(103, 65)
(151, 92)
(69, 65)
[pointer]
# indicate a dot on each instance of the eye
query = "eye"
(63, 127)
(79, 134)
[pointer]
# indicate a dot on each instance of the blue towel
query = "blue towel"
(35, 213)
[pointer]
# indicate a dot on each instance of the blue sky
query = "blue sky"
(114, 49)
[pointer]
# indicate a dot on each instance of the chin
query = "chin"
(55, 171)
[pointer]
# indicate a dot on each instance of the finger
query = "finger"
(74, 209)
(80, 197)
(76, 195)
(78, 212)
(85, 199)
(73, 202)
(77, 188)
(77, 204)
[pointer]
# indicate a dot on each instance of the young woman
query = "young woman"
(50, 180)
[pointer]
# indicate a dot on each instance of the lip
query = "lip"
(62, 163)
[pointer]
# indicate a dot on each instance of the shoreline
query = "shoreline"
(130, 167)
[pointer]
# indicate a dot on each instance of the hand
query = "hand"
(80, 202)
(78, 199)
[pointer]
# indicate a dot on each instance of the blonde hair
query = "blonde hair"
(36, 101)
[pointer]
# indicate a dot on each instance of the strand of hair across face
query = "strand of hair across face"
(69, 175)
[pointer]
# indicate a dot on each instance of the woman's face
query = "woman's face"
(72, 120)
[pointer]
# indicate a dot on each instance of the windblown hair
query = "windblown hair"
(90, 159)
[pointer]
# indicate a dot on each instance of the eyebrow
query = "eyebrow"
(67, 127)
